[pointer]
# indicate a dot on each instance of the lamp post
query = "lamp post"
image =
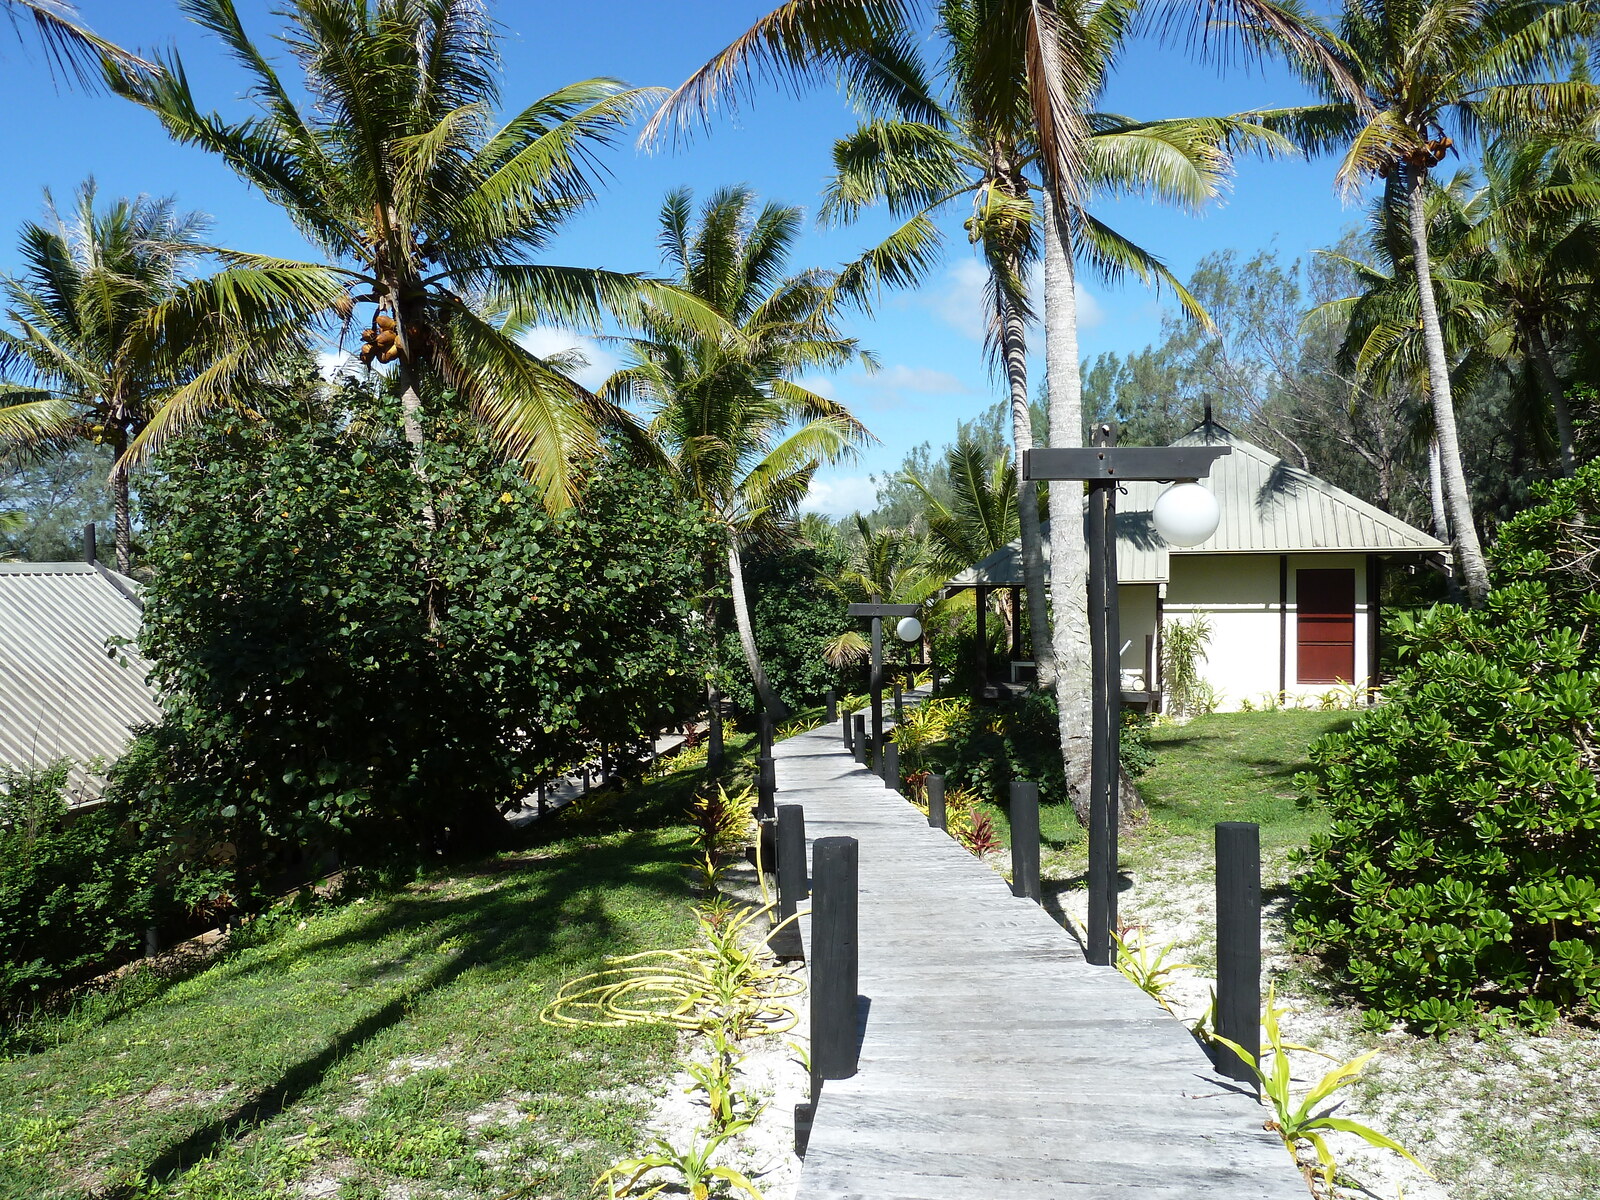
(878, 611)
(1184, 515)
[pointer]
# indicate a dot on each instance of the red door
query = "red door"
(1325, 627)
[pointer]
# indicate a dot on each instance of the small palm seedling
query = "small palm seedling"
(1303, 1121)
(718, 1081)
(689, 1171)
(1147, 970)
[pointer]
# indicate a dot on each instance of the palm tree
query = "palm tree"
(428, 213)
(1536, 225)
(740, 434)
(920, 154)
(71, 46)
(1435, 75)
(80, 360)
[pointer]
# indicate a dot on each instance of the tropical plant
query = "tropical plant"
(1183, 650)
(428, 213)
(688, 1169)
(1147, 969)
(1433, 76)
(1456, 883)
(87, 356)
(1304, 1121)
(741, 436)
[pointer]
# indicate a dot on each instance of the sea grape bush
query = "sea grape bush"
(311, 703)
(1459, 880)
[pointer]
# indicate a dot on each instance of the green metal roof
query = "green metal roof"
(1268, 506)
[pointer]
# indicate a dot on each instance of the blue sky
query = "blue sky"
(929, 341)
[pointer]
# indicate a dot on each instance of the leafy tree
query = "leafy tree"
(50, 499)
(429, 214)
(310, 700)
(1457, 881)
(741, 436)
(1422, 69)
(86, 356)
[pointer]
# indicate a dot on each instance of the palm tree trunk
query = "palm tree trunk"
(747, 636)
(1014, 343)
(123, 509)
(1069, 558)
(411, 426)
(1469, 551)
(1540, 353)
(1441, 518)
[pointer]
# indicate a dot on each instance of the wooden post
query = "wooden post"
(933, 682)
(539, 793)
(899, 706)
(1238, 944)
(1025, 840)
(844, 720)
(1106, 707)
(792, 888)
(983, 640)
(713, 731)
(833, 706)
(766, 735)
(861, 746)
(935, 786)
(766, 785)
(891, 766)
(835, 961)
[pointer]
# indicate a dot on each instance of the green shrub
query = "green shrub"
(310, 702)
(1460, 876)
(75, 893)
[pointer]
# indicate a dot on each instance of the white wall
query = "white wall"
(1238, 594)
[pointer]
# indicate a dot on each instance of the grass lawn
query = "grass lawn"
(379, 1048)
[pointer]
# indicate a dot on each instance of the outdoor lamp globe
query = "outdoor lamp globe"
(909, 629)
(1186, 514)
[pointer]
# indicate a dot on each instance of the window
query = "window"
(1325, 625)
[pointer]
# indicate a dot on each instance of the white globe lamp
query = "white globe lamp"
(909, 629)
(1186, 514)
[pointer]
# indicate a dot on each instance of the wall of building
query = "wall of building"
(1239, 595)
(1137, 605)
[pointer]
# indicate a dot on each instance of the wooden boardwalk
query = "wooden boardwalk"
(995, 1063)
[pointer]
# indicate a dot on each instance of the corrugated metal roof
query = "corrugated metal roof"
(63, 692)
(1268, 507)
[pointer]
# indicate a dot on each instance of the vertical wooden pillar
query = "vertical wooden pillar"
(1016, 624)
(792, 885)
(1025, 840)
(833, 706)
(845, 722)
(835, 961)
(983, 639)
(1238, 944)
(891, 766)
(936, 813)
(861, 744)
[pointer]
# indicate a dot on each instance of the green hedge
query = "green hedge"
(1459, 880)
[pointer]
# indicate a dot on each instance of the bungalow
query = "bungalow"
(1289, 583)
(71, 684)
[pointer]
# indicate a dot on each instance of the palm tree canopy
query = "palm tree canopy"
(80, 354)
(73, 49)
(742, 432)
(981, 517)
(1435, 75)
(426, 205)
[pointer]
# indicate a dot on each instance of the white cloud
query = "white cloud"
(545, 340)
(841, 497)
(898, 385)
(821, 385)
(331, 364)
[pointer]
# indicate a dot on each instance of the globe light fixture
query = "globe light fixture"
(909, 629)
(1186, 514)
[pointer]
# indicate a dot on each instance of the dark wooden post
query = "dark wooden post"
(1105, 759)
(91, 553)
(983, 640)
(792, 888)
(877, 681)
(833, 706)
(1238, 944)
(766, 785)
(1025, 840)
(891, 766)
(861, 746)
(933, 681)
(899, 705)
(845, 721)
(766, 735)
(713, 731)
(935, 786)
(585, 779)
(835, 962)
(539, 794)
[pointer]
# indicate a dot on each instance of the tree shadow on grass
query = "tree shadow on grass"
(489, 928)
